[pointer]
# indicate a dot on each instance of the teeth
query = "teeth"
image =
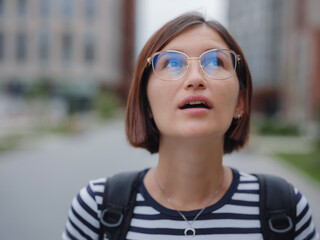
(196, 102)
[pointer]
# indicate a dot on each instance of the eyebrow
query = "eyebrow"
(207, 49)
(180, 50)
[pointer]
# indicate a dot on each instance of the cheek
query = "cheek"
(227, 98)
(157, 96)
(162, 101)
(153, 98)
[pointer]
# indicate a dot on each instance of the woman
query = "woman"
(190, 101)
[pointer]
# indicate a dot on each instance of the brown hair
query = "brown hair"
(140, 128)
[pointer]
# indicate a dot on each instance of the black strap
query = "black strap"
(118, 202)
(277, 208)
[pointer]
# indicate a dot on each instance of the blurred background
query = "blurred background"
(65, 71)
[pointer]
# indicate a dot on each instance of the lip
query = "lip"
(195, 98)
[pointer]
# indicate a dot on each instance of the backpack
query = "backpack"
(277, 206)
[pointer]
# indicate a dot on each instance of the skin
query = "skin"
(190, 166)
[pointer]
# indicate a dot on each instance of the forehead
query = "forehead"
(197, 40)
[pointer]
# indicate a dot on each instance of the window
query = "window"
(1, 7)
(21, 47)
(44, 8)
(22, 8)
(1, 46)
(44, 46)
(90, 8)
(67, 9)
(66, 47)
(89, 49)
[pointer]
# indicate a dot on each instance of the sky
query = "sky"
(152, 14)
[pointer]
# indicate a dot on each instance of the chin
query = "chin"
(198, 132)
(194, 130)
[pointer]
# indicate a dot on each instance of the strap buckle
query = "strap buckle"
(280, 222)
(111, 218)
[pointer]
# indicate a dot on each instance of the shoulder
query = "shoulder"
(84, 214)
(304, 226)
(95, 187)
(92, 195)
(248, 182)
(89, 197)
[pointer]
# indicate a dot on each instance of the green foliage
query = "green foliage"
(307, 162)
(276, 127)
(106, 102)
(318, 131)
(8, 143)
(40, 89)
(68, 126)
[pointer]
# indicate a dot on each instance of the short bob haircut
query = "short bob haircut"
(140, 127)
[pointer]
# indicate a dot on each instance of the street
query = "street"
(39, 180)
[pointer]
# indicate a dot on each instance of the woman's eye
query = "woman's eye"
(214, 62)
(173, 63)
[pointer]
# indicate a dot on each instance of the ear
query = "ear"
(240, 105)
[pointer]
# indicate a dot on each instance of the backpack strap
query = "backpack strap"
(277, 208)
(119, 198)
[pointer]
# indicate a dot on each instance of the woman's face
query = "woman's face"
(170, 101)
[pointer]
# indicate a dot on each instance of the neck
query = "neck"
(191, 171)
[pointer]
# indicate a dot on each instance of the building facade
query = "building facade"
(75, 42)
(302, 64)
(281, 42)
(257, 27)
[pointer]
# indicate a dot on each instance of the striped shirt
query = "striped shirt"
(234, 216)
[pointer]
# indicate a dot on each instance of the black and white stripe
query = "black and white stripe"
(235, 216)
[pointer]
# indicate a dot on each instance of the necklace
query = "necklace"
(189, 231)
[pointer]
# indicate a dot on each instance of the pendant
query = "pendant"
(190, 229)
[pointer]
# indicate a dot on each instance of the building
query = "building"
(301, 65)
(281, 42)
(75, 43)
(255, 25)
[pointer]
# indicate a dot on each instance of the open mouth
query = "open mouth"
(195, 104)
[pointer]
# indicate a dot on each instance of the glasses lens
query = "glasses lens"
(169, 65)
(218, 64)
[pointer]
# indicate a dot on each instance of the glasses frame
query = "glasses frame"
(237, 59)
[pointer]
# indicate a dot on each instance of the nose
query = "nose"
(194, 78)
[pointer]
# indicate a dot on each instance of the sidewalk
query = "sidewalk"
(274, 144)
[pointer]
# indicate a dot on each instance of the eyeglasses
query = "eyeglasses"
(217, 64)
